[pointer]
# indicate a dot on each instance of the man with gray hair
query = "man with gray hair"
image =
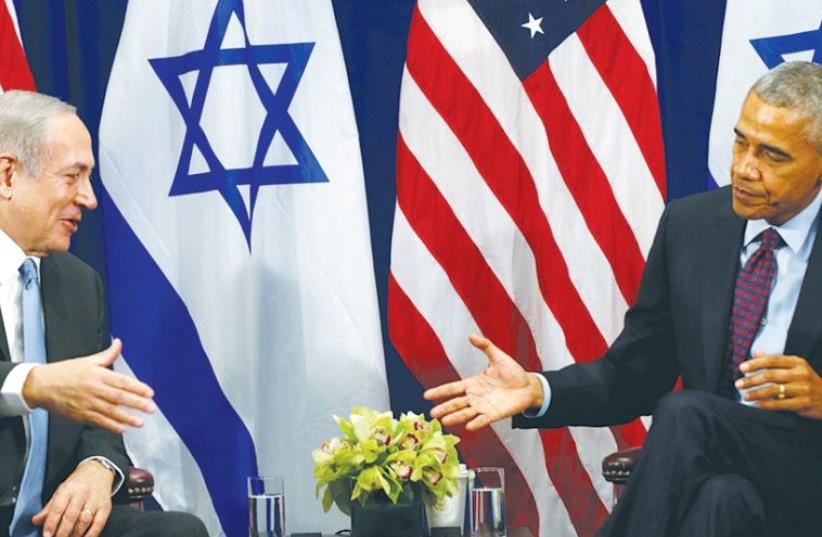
(731, 302)
(61, 406)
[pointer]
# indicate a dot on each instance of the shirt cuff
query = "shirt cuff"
(118, 474)
(12, 402)
(534, 413)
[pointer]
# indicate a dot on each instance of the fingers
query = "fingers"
(69, 519)
(459, 417)
(108, 356)
(54, 512)
(479, 342)
(40, 517)
(127, 384)
(445, 390)
(100, 519)
(485, 345)
(792, 404)
(450, 406)
(478, 423)
(770, 361)
(84, 520)
(123, 390)
(765, 376)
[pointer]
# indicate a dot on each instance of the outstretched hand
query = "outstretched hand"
(85, 389)
(502, 390)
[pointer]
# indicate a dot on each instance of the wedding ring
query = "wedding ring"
(781, 394)
(88, 512)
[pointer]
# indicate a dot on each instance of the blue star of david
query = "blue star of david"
(276, 102)
(773, 49)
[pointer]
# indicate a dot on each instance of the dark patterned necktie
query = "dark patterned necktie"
(753, 287)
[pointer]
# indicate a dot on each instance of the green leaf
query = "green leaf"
(328, 500)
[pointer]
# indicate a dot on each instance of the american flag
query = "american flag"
(14, 69)
(530, 179)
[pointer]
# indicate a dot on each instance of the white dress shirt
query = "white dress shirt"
(11, 308)
(12, 402)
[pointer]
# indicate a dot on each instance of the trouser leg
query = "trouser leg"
(128, 522)
(695, 436)
(726, 505)
(6, 514)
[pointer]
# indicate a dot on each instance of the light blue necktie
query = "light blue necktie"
(29, 499)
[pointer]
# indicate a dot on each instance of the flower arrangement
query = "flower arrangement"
(378, 454)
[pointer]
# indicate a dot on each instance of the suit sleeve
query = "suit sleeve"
(635, 372)
(93, 440)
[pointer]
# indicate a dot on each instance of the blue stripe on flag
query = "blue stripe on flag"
(687, 38)
(172, 360)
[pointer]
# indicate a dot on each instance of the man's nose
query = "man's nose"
(746, 166)
(85, 195)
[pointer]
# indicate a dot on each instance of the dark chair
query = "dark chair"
(140, 486)
(617, 468)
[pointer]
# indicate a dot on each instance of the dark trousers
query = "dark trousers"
(127, 522)
(712, 467)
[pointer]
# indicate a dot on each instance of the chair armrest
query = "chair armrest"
(617, 467)
(139, 483)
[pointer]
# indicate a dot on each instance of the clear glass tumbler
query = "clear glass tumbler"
(488, 503)
(266, 506)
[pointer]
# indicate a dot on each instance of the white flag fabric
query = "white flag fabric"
(757, 36)
(240, 269)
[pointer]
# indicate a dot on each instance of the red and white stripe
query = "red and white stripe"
(525, 211)
(14, 69)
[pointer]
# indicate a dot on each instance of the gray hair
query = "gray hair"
(797, 86)
(24, 118)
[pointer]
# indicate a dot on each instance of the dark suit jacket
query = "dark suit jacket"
(679, 324)
(76, 325)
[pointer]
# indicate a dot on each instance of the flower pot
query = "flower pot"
(381, 518)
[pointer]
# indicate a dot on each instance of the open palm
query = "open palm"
(503, 389)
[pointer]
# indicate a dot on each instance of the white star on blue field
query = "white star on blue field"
(277, 119)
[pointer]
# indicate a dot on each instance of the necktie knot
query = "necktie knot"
(28, 270)
(769, 239)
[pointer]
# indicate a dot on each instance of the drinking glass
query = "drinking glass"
(266, 506)
(488, 503)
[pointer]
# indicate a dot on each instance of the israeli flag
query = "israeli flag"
(757, 36)
(239, 262)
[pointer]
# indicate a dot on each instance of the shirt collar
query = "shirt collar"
(11, 257)
(793, 232)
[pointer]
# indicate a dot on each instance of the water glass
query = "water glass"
(488, 503)
(266, 506)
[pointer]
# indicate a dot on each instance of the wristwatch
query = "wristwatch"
(107, 464)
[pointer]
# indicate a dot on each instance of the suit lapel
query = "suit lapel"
(806, 325)
(55, 309)
(720, 263)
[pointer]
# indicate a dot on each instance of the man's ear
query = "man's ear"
(8, 163)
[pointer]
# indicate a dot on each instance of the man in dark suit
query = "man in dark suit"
(61, 407)
(731, 301)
